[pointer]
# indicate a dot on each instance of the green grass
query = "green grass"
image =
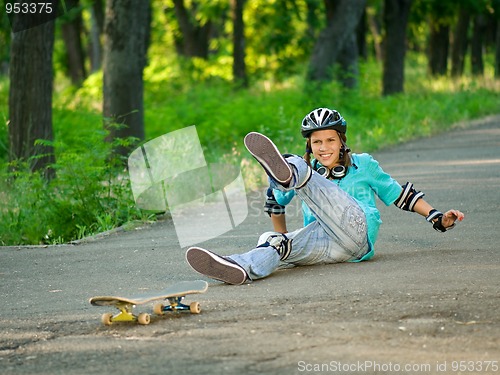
(92, 192)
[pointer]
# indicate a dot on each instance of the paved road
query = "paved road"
(427, 302)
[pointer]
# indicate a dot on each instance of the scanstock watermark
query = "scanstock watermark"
(204, 200)
(461, 367)
(362, 366)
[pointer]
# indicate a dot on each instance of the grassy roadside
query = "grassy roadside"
(92, 192)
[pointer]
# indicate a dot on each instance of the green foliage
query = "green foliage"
(4, 40)
(223, 116)
(278, 38)
(90, 194)
(4, 102)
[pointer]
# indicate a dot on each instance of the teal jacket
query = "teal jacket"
(364, 180)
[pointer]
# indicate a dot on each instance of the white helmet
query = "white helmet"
(321, 119)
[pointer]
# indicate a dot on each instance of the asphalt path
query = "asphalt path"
(427, 303)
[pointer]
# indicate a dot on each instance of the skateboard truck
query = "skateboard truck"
(175, 304)
(125, 315)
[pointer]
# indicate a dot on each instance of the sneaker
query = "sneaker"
(215, 266)
(268, 155)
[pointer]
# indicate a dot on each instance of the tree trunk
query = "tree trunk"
(239, 68)
(374, 27)
(348, 62)
(332, 39)
(361, 31)
(96, 30)
(71, 33)
(30, 96)
(347, 69)
(439, 42)
(396, 14)
(460, 43)
(477, 64)
(497, 51)
(194, 41)
(311, 18)
(124, 62)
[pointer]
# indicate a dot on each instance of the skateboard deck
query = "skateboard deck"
(173, 295)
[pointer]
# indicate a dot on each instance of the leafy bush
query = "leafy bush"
(90, 194)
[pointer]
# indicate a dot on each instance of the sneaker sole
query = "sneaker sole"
(214, 266)
(268, 155)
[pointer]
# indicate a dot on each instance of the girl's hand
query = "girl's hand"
(450, 217)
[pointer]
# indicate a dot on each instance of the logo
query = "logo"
(170, 173)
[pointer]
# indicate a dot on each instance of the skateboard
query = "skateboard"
(173, 295)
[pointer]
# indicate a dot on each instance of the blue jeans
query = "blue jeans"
(339, 233)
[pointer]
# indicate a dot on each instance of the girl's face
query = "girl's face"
(326, 145)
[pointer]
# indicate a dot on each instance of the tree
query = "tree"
(348, 56)
(30, 95)
(311, 18)
(374, 26)
(348, 62)
(441, 15)
(333, 37)
(361, 31)
(460, 42)
(396, 14)
(192, 41)
(239, 67)
(72, 36)
(96, 30)
(478, 27)
(496, 8)
(126, 34)
(439, 41)
(497, 51)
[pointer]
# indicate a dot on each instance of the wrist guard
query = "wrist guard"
(271, 206)
(408, 197)
(438, 223)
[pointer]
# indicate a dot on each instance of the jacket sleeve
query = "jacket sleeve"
(283, 198)
(386, 187)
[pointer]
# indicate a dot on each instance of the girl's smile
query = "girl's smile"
(325, 145)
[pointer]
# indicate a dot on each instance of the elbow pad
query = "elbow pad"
(271, 206)
(409, 196)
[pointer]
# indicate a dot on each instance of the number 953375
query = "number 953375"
(28, 8)
(474, 366)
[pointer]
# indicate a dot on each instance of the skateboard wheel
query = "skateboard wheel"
(143, 318)
(107, 319)
(158, 309)
(195, 308)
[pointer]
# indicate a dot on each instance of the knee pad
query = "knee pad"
(281, 243)
(264, 237)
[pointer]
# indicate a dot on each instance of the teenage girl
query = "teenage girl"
(338, 190)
